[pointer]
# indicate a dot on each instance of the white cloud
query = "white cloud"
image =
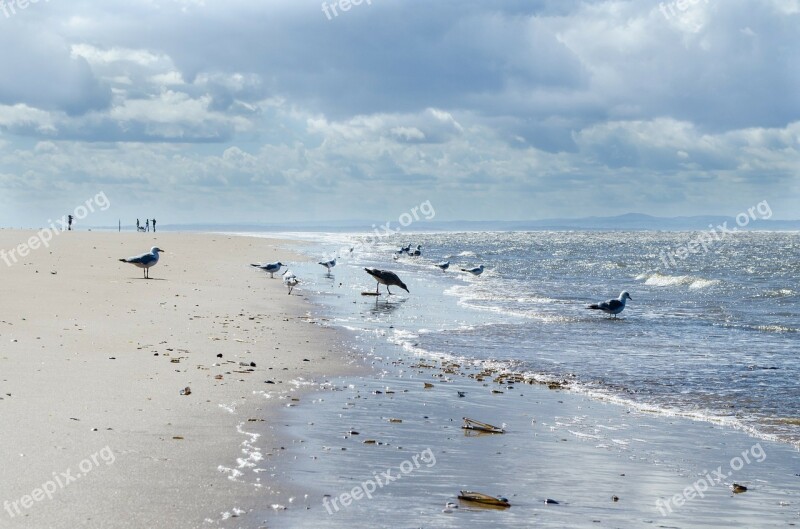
(96, 55)
(527, 108)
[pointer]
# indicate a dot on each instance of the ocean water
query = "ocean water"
(714, 336)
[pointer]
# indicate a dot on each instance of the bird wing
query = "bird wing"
(389, 276)
(145, 258)
(379, 275)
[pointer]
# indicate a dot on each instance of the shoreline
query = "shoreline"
(559, 445)
(94, 360)
(94, 367)
(325, 292)
(655, 458)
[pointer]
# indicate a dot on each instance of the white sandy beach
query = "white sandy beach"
(93, 359)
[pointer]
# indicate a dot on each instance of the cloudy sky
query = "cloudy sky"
(273, 110)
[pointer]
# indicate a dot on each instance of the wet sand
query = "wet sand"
(93, 360)
(579, 452)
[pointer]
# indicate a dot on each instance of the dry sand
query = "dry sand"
(92, 362)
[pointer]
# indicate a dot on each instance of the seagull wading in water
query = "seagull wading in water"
(146, 260)
(270, 268)
(478, 270)
(385, 277)
(328, 264)
(612, 306)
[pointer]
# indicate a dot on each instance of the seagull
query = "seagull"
(405, 249)
(478, 270)
(612, 306)
(146, 260)
(290, 280)
(329, 264)
(387, 278)
(444, 266)
(270, 268)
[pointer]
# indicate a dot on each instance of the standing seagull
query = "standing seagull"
(146, 260)
(612, 306)
(478, 270)
(290, 280)
(385, 277)
(329, 264)
(444, 266)
(270, 268)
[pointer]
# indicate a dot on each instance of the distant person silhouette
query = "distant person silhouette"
(138, 225)
(154, 225)
(146, 224)
(69, 222)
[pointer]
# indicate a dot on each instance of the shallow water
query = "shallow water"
(714, 336)
(568, 448)
(687, 347)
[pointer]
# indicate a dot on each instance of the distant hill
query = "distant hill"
(626, 222)
(634, 222)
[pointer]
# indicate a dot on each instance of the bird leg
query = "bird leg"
(377, 289)
(387, 290)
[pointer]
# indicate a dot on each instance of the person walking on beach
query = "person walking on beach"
(146, 224)
(138, 226)
(154, 225)
(69, 222)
